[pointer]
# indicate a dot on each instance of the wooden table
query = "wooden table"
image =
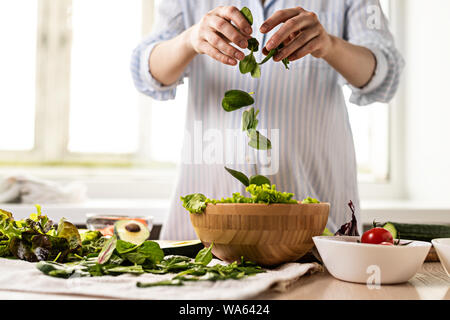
(431, 282)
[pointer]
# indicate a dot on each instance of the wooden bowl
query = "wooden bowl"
(265, 234)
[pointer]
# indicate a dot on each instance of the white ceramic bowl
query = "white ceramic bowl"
(348, 260)
(442, 247)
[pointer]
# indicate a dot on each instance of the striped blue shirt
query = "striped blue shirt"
(302, 109)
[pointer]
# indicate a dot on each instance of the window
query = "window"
(70, 98)
(17, 80)
(370, 126)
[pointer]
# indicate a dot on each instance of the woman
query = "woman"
(328, 43)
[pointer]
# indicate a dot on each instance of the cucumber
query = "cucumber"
(391, 228)
(419, 232)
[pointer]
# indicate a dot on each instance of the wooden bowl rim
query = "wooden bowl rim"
(270, 204)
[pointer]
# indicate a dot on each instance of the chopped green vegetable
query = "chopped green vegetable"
(310, 200)
(194, 203)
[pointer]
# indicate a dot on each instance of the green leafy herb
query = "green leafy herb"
(269, 194)
(107, 250)
(239, 175)
(68, 231)
(253, 45)
(258, 141)
(236, 99)
(204, 256)
(269, 56)
(259, 180)
(256, 72)
(249, 120)
(310, 200)
(247, 14)
(194, 203)
(248, 64)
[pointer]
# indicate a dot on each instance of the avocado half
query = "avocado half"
(131, 231)
(188, 248)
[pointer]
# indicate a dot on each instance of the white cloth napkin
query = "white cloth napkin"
(32, 190)
(17, 275)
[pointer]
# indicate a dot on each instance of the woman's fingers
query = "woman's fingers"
(231, 13)
(214, 53)
(297, 23)
(310, 47)
(302, 39)
(224, 27)
(279, 17)
(219, 43)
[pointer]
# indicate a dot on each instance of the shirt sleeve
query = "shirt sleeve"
(169, 23)
(367, 26)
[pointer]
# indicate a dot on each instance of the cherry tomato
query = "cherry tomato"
(377, 236)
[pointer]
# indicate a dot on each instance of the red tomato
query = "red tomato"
(377, 236)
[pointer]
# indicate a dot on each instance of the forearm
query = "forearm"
(170, 58)
(355, 63)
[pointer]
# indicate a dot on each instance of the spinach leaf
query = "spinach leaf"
(249, 120)
(204, 256)
(253, 45)
(269, 56)
(125, 247)
(236, 99)
(248, 64)
(239, 175)
(107, 250)
(259, 180)
(247, 14)
(256, 72)
(258, 141)
(194, 203)
(172, 282)
(136, 269)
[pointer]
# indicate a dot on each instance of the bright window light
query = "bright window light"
(104, 113)
(17, 74)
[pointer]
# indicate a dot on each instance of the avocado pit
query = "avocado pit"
(133, 227)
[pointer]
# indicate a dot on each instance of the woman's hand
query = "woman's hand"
(301, 33)
(213, 34)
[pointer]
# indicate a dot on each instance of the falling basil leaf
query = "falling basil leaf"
(260, 180)
(239, 175)
(247, 64)
(258, 141)
(236, 99)
(249, 120)
(247, 14)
